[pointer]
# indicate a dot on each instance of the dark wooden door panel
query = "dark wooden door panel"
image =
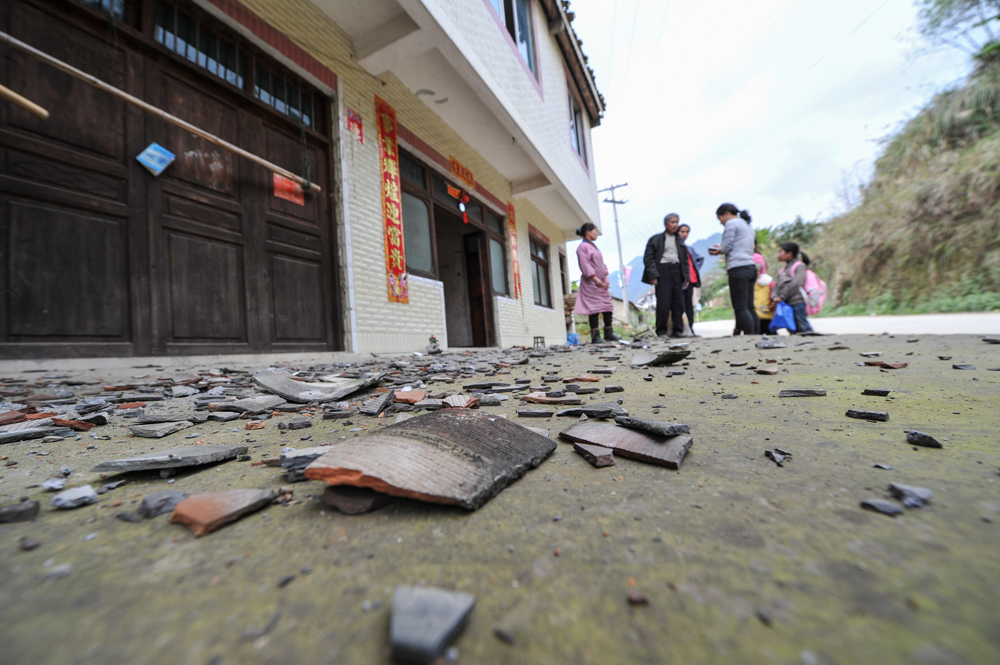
(82, 116)
(68, 273)
(206, 290)
(298, 299)
(61, 175)
(199, 162)
(288, 152)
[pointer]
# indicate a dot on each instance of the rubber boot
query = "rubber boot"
(610, 336)
(595, 336)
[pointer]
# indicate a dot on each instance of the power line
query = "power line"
(660, 33)
(869, 16)
(628, 58)
(611, 47)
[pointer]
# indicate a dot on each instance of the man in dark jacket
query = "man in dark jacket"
(665, 255)
(695, 261)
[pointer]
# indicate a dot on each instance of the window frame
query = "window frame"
(546, 263)
(508, 21)
(578, 137)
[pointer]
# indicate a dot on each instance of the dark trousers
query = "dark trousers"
(596, 318)
(689, 305)
(801, 322)
(741, 283)
(669, 298)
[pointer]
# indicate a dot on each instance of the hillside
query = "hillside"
(926, 235)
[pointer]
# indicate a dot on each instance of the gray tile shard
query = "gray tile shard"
(330, 390)
(256, 404)
(425, 621)
(74, 498)
(910, 495)
(25, 511)
(151, 418)
(599, 411)
(172, 459)
(596, 455)
(882, 506)
(864, 414)
(654, 426)
(920, 439)
(656, 359)
(378, 403)
(160, 503)
(663, 451)
(876, 392)
(802, 392)
(294, 462)
(159, 430)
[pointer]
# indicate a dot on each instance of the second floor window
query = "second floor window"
(576, 128)
(516, 15)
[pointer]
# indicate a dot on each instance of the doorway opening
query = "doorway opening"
(462, 271)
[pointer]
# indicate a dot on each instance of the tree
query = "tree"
(798, 231)
(964, 24)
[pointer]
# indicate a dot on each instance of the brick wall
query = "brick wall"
(383, 326)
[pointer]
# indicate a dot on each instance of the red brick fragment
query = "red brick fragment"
(78, 425)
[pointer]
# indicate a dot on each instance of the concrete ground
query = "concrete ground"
(742, 561)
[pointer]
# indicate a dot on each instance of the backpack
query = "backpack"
(813, 291)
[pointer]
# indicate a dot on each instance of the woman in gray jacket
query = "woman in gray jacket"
(737, 245)
(789, 286)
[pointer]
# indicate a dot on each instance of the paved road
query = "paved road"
(978, 323)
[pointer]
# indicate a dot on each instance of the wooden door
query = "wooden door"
(198, 222)
(475, 273)
(69, 219)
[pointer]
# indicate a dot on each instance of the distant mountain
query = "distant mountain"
(636, 289)
(701, 246)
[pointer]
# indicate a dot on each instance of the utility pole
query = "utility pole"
(621, 261)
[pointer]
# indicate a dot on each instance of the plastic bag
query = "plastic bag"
(784, 317)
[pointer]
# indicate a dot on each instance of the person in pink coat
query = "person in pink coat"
(593, 298)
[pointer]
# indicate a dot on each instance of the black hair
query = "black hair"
(733, 210)
(793, 249)
(585, 229)
(672, 214)
(684, 226)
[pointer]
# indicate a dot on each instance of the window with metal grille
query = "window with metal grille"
(196, 42)
(284, 94)
(113, 8)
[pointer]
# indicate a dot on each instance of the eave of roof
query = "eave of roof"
(559, 19)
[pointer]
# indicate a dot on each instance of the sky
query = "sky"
(777, 106)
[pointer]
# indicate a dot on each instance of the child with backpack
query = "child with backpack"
(797, 286)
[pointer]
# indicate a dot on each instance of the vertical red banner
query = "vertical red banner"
(392, 204)
(512, 225)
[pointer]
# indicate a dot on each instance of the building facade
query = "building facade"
(449, 140)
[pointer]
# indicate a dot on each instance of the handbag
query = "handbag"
(784, 317)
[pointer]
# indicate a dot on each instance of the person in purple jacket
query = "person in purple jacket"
(592, 298)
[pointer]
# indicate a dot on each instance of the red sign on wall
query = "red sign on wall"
(516, 263)
(392, 203)
(355, 125)
(462, 172)
(288, 190)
